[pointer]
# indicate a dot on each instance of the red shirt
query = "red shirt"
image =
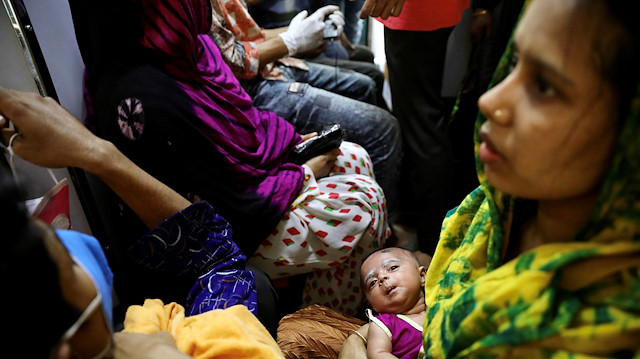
(427, 15)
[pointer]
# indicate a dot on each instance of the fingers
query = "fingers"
(19, 107)
(299, 17)
(326, 10)
(5, 95)
(5, 131)
(367, 7)
(6, 104)
(337, 18)
(7, 108)
(397, 9)
(377, 8)
(381, 8)
(41, 125)
(309, 135)
(385, 10)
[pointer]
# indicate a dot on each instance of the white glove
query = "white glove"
(305, 33)
(338, 19)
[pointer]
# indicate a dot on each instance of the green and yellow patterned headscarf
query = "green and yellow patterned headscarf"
(568, 300)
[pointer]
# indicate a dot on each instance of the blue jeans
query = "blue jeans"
(338, 80)
(310, 109)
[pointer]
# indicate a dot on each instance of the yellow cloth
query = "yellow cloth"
(222, 333)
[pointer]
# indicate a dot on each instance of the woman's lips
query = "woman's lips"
(487, 151)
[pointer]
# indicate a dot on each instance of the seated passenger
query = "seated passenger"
(305, 93)
(345, 51)
(175, 108)
(64, 281)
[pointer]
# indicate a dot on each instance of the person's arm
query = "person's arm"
(239, 54)
(272, 49)
(272, 33)
(378, 344)
(355, 346)
(49, 136)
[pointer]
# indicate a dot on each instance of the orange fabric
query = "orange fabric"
(242, 25)
(221, 333)
(240, 22)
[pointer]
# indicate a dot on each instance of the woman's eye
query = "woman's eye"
(544, 87)
(513, 61)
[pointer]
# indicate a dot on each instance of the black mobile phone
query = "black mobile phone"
(330, 30)
(327, 140)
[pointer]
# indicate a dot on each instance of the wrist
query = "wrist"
(271, 50)
(101, 159)
(280, 48)
(288, 43)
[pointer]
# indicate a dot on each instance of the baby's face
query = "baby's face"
(392, 281)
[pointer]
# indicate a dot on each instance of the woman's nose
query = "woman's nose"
(495, 104)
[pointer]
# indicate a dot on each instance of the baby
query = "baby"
(393, 283)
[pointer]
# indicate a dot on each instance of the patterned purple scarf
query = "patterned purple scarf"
(255, 143)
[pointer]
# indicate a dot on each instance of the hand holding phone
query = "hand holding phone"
(326, 141)
(330, 30)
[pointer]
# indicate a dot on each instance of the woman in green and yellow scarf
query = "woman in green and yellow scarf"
(543, 259)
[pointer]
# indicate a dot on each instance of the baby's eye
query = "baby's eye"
(393, 267)
(372, 283)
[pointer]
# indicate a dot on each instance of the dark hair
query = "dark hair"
(618, 49)
(31, 295)
(389, 249)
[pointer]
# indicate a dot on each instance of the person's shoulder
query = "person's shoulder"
(147, 85)
(387, 317)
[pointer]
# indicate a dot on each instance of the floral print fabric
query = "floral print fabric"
(236, 34)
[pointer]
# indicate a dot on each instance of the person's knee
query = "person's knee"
(370, 87)
(386, 124)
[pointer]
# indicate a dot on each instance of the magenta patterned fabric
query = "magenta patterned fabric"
(254, 143)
